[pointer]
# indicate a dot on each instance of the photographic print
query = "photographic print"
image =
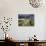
(25, 19)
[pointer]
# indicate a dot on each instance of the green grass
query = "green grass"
(26, 22)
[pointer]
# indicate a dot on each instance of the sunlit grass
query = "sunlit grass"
(25, 22)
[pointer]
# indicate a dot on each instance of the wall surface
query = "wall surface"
(11, 8)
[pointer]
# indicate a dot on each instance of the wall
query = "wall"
(11, 8)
